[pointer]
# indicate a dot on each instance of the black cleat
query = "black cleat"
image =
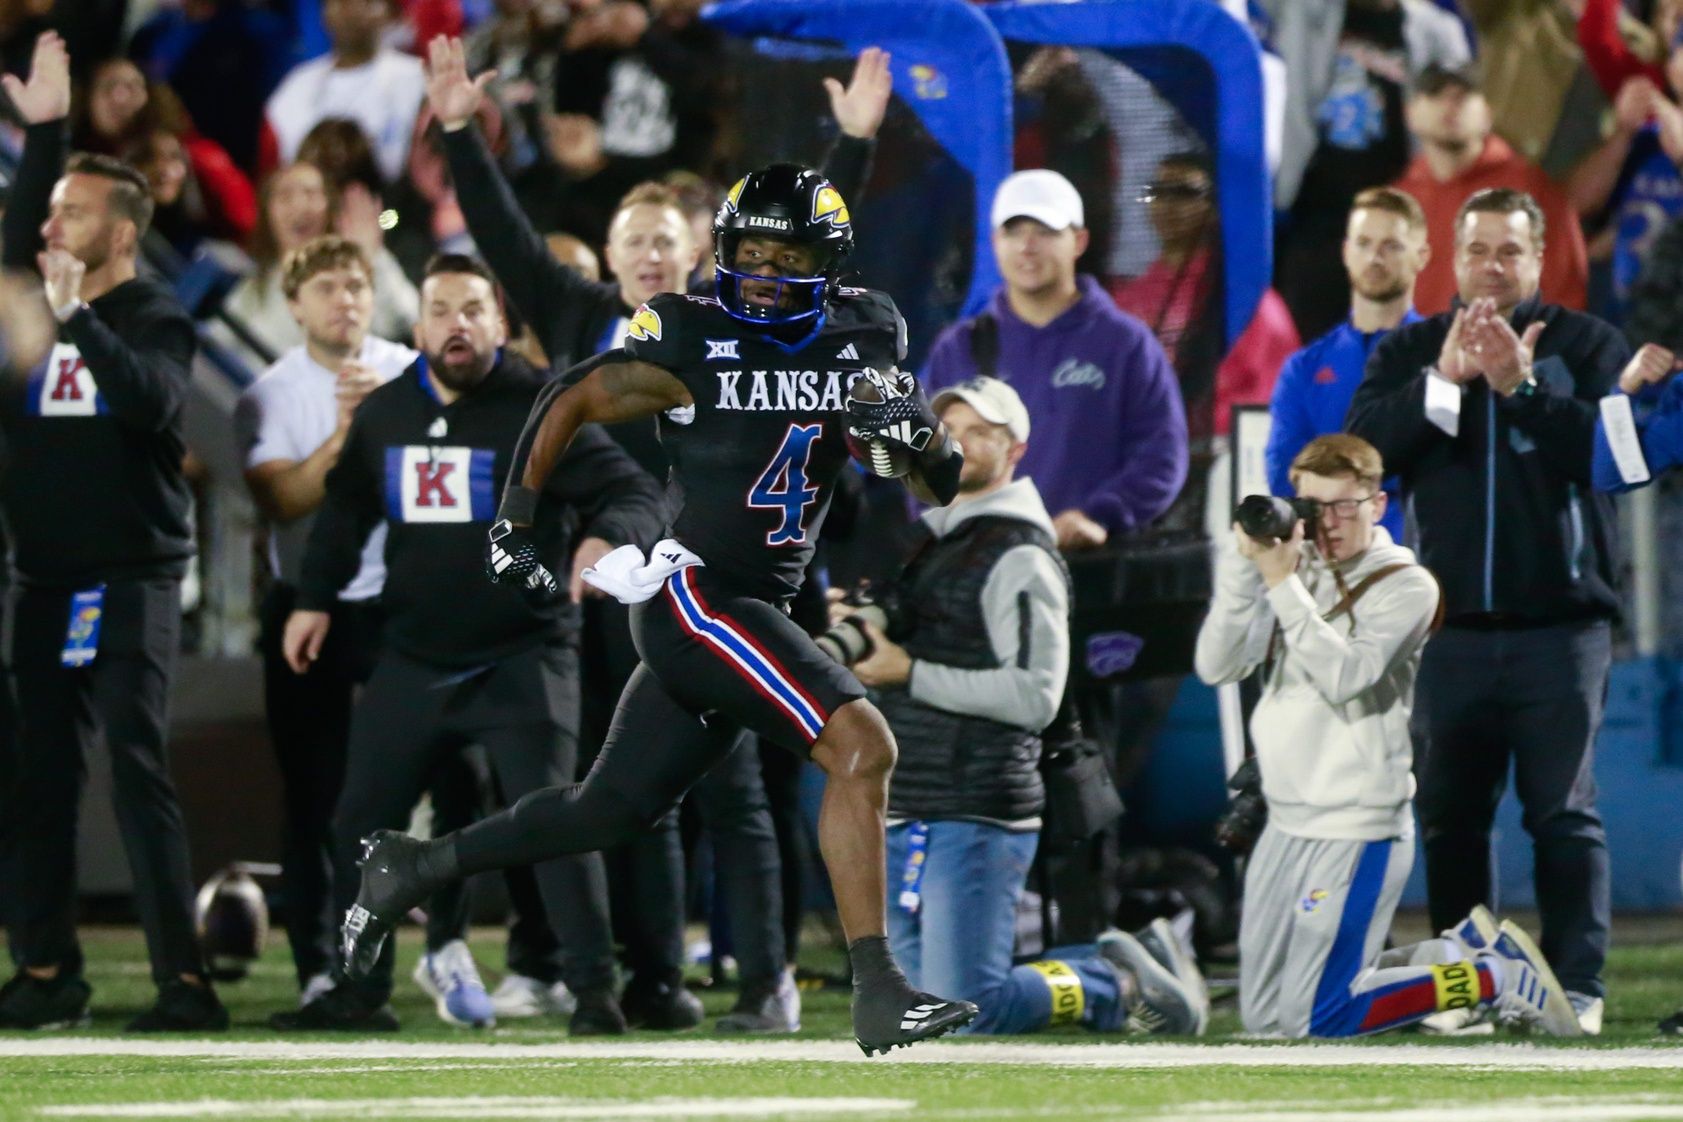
(598, 1014)
(1672, 1025)
(27, 1002)
(661, 1006)
(182, 1007)
(890, 1014)
(342, 1008)
(391, 885)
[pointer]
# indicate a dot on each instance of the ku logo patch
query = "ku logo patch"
(64, 386)
(722, 348)
(928, 83)
(645, 324)
(1326, 376)
(827, 206)
(1313, 900)
(434, 483)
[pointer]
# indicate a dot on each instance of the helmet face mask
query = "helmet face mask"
(786, 204)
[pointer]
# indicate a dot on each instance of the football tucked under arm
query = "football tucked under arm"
(889, 421)
(894, 432)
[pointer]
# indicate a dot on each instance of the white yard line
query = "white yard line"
(1518, 1110)
(485, 1107)
(1497, 1057)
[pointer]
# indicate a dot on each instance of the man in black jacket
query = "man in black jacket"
(1487, 413)
(651, 249)
(463, 662)
(98, 509)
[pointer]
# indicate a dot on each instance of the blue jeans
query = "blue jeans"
(958, 943)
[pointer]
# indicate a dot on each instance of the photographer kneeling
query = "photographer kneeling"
(983, 612)
(1336, 626)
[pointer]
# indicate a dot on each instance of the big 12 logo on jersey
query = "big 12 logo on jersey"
(435, 483)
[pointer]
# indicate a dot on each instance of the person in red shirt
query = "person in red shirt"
(1450, 120)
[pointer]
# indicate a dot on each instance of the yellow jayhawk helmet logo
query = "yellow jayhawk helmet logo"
(735, 194)
(827, 206)
(645, 324)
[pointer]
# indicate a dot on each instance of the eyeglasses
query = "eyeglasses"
(1345, 509)
(1173, 192)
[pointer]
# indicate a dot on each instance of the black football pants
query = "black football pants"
(522, 711)
(646, 875)
(125, 690)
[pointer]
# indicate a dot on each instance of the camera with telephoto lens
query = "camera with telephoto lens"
(1269, 516)
(847, 642)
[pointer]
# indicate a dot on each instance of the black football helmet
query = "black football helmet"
(788, 203)
(233, 922)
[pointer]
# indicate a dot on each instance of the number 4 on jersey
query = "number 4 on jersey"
(783, 485)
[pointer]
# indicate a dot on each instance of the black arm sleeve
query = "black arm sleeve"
(939, 469)
(26, 210)
(546, 293)
(142, 374)
(847, 165)
(348, 514)
(617, 500)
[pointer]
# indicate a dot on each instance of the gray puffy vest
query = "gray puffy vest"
(953, 765)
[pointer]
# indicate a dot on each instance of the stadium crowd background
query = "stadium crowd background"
(253, 144)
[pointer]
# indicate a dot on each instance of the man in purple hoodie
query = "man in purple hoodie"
(1093, 377)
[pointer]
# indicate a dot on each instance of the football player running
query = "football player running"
(752, 392)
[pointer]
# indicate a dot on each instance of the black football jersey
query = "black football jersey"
(756, 459)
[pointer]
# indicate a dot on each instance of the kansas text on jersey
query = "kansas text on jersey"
(756, 459)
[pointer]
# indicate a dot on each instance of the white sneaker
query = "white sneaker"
(1156, 1000)
(1589, 1009)
(314, 988)
(1459, 1022)
(1163, 944)
(1529, 993)
(1476, 934)
(1470, 938)
(449, 976)
(778, 1011)
(522, 996)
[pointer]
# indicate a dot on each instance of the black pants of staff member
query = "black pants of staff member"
(8, 772)
(309, 718)
(523, 712)
(648, 873)
(126, 690)
(1532, 697)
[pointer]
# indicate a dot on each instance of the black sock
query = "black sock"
(872, 962)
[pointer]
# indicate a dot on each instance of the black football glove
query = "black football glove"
(902, 415)
(511, 556)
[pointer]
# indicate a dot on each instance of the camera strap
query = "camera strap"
(1343, 608)
(984, 345)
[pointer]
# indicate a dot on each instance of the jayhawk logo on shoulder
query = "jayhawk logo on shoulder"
(827, 206)
(645, 324)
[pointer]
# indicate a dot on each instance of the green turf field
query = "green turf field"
(528, 1069)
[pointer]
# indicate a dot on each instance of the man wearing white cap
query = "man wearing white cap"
(1113, 451)
(985, 634)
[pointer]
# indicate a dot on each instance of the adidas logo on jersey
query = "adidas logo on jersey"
(802, 391)
(850, 353)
